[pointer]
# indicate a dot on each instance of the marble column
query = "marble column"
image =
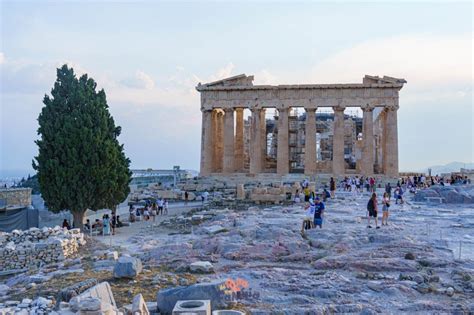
(338, 164)
(367, 161)
(228, 163)
(310, 142)
(206, 143)
(255, 151)
(263, 140)
(391, 142)
(283, 164)
(239, 140)
(218, 138)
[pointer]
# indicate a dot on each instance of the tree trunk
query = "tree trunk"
(78, 216)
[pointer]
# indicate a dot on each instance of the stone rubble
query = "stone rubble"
(35, 247)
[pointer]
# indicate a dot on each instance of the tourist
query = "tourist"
(367, 184)
(385, 206)
(372, 209)
(398, 195)
(297, 196)
(113, 223)
(306, 194)
(186, 196)
(106, 225)
(165, 206)
(153, 211)
(309, 216)
(132, 214)
(388, 190)
(66, 224)
(146, 213)
(87, 226)
(332, 188)
(326, 194)
(160, 206)
(97, 225)
(318, 213)
(372, 184)
(357, 183)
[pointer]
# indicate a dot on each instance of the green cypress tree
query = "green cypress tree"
(80, 164)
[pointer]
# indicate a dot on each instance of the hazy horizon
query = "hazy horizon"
(149, 58)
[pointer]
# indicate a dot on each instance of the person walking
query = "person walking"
(372, 209)
(318, 213)
(332, 188)
(385, 206)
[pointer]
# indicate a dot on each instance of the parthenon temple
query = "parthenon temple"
(306, 128)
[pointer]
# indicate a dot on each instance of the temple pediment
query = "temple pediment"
(371, 79)
(238, 80)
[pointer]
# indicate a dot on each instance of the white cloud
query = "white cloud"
(423, 60)
(141, 80)
(2, 58)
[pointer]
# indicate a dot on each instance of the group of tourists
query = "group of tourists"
(412, 183)
(357, 184)
(373, 209)
(149, 211)
(104, 226)
(313, 214)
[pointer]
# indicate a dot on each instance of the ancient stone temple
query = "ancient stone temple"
(316, 142)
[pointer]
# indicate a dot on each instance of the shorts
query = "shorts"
(373, 213)
(318, 222)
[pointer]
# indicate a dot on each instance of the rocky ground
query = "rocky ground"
(423, 262)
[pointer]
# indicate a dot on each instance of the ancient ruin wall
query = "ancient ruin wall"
(19, 197)
(34, 247)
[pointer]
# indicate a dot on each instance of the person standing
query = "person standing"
(308, 218)
(165, 206)
(186, 196)
(388, 190)
(332, 188)
(106, 225)
(318, 213)
(372, 209)
(385, 206)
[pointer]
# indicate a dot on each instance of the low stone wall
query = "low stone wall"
(18, 197)
(31, 248)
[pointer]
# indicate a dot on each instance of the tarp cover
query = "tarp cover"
(20, 219)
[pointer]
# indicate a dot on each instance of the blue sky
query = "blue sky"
(148, 56)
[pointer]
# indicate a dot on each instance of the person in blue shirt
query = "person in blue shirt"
(318, 213)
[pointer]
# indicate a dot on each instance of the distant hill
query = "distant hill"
(448, 168)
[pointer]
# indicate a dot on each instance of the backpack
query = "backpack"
(370, 205)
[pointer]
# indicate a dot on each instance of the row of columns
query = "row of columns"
(223, 151)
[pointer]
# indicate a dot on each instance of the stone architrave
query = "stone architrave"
(310, 142)
(239, 139)
(338, 163)
(367, 161)
(229, 153)
(255, 145)
(283, 165)
(391, 142)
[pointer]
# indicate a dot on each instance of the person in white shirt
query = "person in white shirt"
(309, 216)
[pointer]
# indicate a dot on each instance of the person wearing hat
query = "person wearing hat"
(318, 213)
(309, 215)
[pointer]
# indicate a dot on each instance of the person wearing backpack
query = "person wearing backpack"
(372, 208)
